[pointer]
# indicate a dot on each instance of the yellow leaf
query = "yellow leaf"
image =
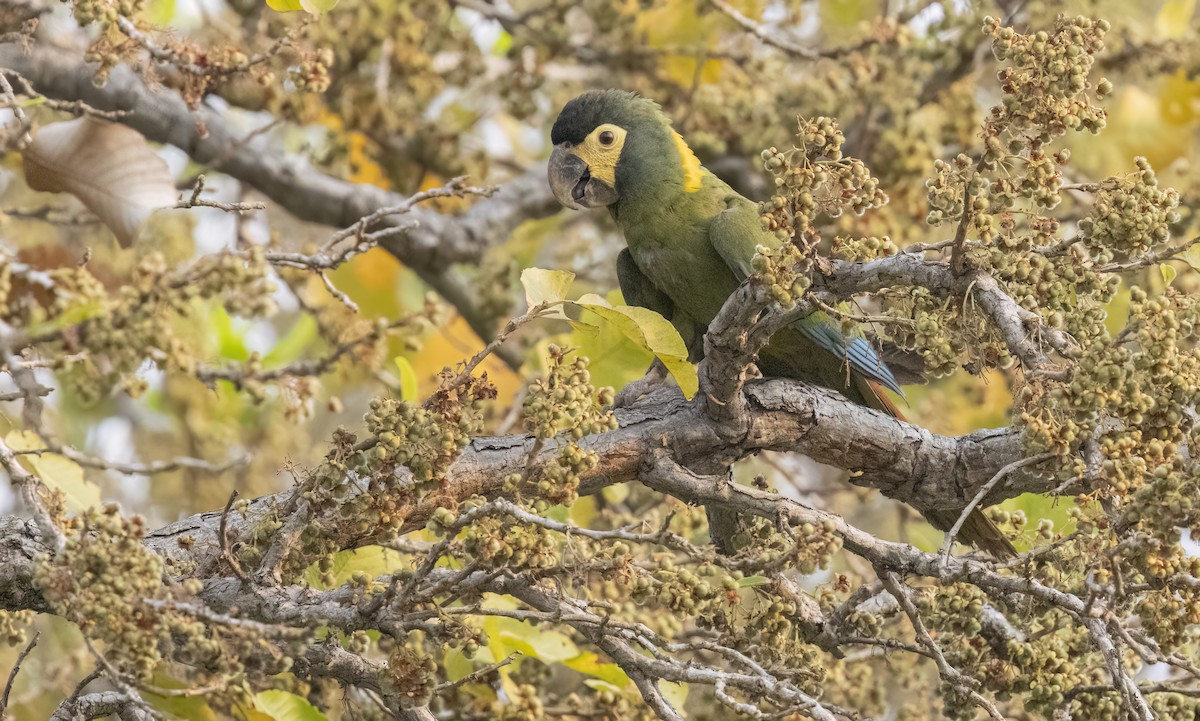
(676, 24)
(1179, 99)
(408, 378)
(656, 334)
(1136, 126)
(593, 299)
(1191, 256)
(362, 163)
(508, 685)
(284, 6)
(616, 493)
(1174, 18)
(545, 286)
(614, 358)
(644, 327)
(590, 664)
(675, 693)
(1168, 273)
(583, 511)
(55, 471)
(602, 685)
(316, 7)
(506, 635)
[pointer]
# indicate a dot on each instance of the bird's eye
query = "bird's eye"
(607, 138)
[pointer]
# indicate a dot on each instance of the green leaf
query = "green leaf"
(506, 635)
(644, 327)
(299, 338)
(545, 286)
(55, 471)
(544, 645)
(502, 45)
(284, 706)
(457, 665)
(374, 561)
(1168, 273)
(160, 12)
(751, 581)
(652, 332)
(408, 378)
(189, 708)
(228, 335)
(613, 358)
(284, 6)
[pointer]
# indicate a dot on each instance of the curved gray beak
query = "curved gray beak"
(572, 183)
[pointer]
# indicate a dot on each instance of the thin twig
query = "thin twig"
(223, 535)
(195, 201)
(12, 675)
(962, 684)
(984, 490)
(478, 673)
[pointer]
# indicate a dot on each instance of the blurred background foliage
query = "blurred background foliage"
(406, 94)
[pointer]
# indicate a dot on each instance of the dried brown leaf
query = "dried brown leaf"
(109, 167)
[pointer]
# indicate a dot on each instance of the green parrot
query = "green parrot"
(691, 240)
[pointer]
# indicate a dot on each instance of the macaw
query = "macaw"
(691, 240)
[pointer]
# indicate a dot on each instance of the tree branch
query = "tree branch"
(1021, 329)
(904, 461)
(430, 247)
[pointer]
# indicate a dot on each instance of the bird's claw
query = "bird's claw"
(654, 377)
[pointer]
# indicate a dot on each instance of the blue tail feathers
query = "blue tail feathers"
(859, 353)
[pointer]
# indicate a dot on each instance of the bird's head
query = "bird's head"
(610, 145)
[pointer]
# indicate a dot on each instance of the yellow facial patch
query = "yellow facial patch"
(602, 157)
(693, 173)
(601, 150)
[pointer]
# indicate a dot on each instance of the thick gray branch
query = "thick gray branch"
(929, 471)
(95, 705)
(206, 135)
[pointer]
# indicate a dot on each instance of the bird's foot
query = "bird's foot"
(655, 376)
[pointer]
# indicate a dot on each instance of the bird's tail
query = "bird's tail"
(723, 527)
(978, 530)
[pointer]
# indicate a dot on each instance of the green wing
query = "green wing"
(735, 233)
